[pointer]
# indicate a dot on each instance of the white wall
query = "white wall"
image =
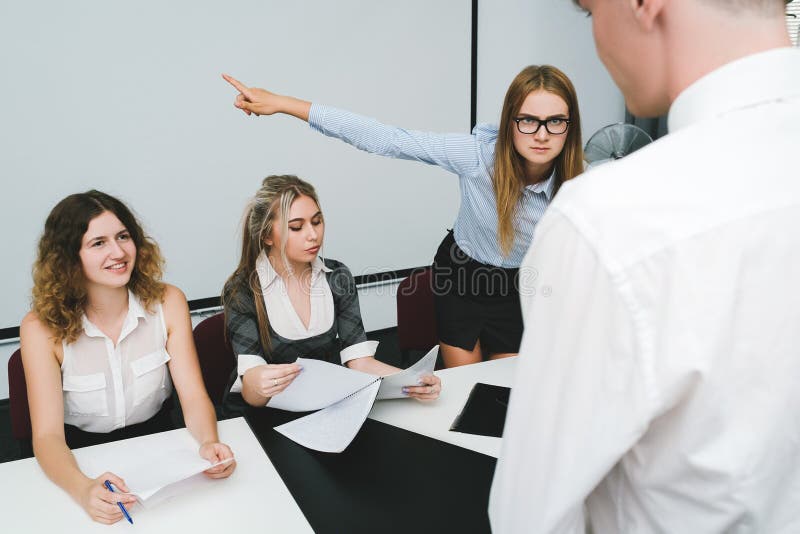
(512, 34)
(130, 101)
(515, 33)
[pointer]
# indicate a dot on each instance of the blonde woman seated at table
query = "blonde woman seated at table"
(284, 301)
(102, 346)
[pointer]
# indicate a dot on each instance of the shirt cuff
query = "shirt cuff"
(246, 361)
(359, 350)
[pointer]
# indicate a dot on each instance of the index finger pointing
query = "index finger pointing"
(242, 88)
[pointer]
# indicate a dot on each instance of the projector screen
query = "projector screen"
(127, 98)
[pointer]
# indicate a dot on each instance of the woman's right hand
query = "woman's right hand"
(253, 100)
(101, 504)
(270, 379)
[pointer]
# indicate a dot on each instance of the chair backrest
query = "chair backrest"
(217, 359)
(18, 398)
(416, 317)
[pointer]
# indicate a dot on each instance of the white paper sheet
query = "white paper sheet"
(392, 385)
(344, 398)
(332, 429)
(150, 470)
(319, 385)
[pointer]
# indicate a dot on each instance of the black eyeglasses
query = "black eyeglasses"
(531, 125)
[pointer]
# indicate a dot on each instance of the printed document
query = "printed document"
(344, 398)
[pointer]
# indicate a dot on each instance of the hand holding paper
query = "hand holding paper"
(221, 458)
(320, 385)
(427, 390)
(418, 378)
(346, 397)
(161, 466)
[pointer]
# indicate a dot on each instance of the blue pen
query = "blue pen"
(121, 506)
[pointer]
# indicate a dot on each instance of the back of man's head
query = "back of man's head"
(654, 49)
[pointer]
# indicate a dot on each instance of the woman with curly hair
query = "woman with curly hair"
(103, 344)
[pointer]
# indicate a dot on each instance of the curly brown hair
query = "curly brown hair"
(59, 289)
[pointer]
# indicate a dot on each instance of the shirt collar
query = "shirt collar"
(267, 274)
(545, 186)
(318, 266)
(745, 82)
(135, 311)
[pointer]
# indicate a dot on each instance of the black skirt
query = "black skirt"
(475, 301)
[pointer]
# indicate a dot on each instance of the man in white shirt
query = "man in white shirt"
(658, 383)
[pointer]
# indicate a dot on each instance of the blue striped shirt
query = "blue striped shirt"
(471, 157)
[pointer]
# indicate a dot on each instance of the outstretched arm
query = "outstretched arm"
(459, 153)
(262, 102)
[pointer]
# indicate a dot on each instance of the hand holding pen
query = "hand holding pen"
(101, 503)
(121, 506)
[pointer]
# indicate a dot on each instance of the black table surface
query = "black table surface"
(387, 480)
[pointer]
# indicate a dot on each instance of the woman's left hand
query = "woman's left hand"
(216, 452)
(428, 390)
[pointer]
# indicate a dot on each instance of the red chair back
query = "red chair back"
(416, 317)
(18, 398)
(217, 359)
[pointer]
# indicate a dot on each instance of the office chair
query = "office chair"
(216, 356)
(18, 404)
(416, 318)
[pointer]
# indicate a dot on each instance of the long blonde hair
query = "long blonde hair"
(271, 203)
(508, 175)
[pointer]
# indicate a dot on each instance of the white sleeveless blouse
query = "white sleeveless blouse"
(108, 387)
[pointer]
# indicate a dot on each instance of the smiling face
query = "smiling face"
(305, 230)
(540, 149)
(107, 253)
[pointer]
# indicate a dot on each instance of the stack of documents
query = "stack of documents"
(343, 397)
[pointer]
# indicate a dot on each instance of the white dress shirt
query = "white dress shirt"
(107, 387)
(283, 318)
(659, 375)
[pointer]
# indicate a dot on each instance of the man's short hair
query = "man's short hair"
(763, 7)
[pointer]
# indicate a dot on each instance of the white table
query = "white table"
(433, 419)
(252, 499)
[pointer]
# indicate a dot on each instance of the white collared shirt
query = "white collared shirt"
(283, 318)
(659, 372)
(107, 387)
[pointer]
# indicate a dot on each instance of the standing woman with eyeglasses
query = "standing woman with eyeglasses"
(508, 176)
